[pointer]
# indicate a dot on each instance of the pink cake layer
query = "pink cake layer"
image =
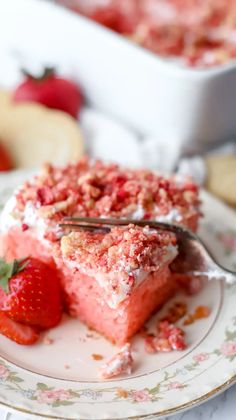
(118, 325)
(18, 244)
(86, 299)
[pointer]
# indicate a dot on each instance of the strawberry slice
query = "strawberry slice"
(21, 334)
(30, 293)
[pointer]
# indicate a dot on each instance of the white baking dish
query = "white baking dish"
(156, 97)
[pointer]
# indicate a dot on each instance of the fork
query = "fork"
(194, 258)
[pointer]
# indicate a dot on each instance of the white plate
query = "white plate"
(60, 380)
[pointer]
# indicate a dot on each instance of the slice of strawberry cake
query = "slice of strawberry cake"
(113, 281)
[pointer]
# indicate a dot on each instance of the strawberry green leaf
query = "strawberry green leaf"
(46, 74)
(19, 265)
(22, 264)
(7, 270)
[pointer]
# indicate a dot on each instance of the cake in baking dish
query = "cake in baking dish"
(112, 281)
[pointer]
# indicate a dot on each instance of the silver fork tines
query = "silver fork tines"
(194, 258)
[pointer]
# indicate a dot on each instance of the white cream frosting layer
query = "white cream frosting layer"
(9, 218)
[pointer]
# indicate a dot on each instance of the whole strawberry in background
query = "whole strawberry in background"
(51, 91)
(30, 294)
(5, 160)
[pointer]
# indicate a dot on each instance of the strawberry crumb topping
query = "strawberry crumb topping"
(200, 32)
(123, 249)
(176, 312)
(168, 338)
(24, 227)
(119, 364)
(119, 259)
(150, 345)
(94, 189)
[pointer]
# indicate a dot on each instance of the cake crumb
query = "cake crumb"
(67, 366)
(199, 313)
(91, 329)
(168, 338)
(48, 340)
(150, 346)
(24, 227)
(97, 356)
(122, 362)
(176, 312)
(144, 331)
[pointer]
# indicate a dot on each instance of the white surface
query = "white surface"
(179, 106)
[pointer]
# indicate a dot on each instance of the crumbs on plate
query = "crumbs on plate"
(97, 356)
(200, 312)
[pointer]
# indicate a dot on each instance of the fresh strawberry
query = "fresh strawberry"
(30, 293)
(5, 160)
(21, 334)
(52, 91)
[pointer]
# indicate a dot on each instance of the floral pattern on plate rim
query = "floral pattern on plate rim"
(56, 397)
